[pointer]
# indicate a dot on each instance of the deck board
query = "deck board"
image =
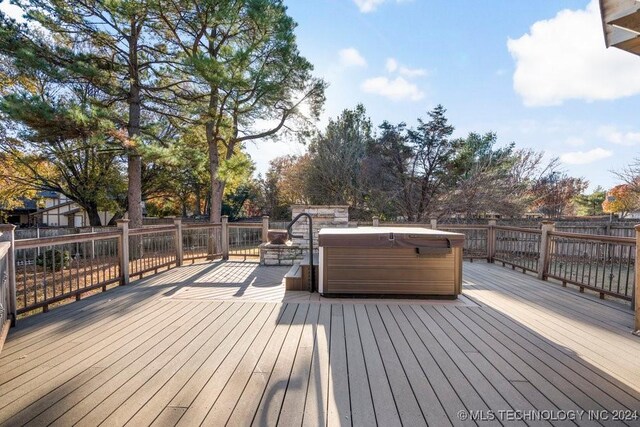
(225, 344)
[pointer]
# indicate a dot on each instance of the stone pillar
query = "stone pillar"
(265, 228)
(333, 216)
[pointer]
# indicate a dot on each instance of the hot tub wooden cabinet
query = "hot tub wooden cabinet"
(390, 261)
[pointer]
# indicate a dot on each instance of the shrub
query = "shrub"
(54, 258)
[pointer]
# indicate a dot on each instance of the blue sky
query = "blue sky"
(535, 72)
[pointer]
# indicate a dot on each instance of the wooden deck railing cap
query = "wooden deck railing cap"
(637, 227)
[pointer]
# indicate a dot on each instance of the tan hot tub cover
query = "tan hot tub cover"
(400, 261)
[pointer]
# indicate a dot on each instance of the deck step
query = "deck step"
(293, 279)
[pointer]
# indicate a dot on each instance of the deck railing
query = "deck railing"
(601, 263)
(517, 247)
(36, 273)
(50, 270)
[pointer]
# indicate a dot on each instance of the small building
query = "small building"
(59, 211)
(20, 215)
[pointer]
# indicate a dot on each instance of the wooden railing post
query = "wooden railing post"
(491, 240)
(376, 221)
(434, 223)
(636, 284)
(265, 228)
(225, 237)
(179, 249)
(545, 249)
(123, 250)
(7, 234)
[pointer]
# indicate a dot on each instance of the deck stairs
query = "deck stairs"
(298, 278)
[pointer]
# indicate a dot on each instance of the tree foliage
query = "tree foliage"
(591, 204)
(621, 200)
(244, 68)
(553, 193)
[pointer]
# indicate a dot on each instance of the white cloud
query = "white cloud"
(615, 136)
(350, 57)
(585, 157)
(391, 65)
(397, 89)
(565, 58)
(367, 6)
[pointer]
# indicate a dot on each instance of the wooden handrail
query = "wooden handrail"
(519, 229)
(459, 226)
(61, 240)
(151, 230)
(245, 225)
(195, 225)
(596, 237)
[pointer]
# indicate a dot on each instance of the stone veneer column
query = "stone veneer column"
(332, 216)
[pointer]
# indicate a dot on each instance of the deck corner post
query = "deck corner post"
(225, 237)
(636, 285)
(545, 249)
(376, 221)
(7, 234)
(434, 223)
(491, 241)
(179, 250)
(123, 250)
(265, 228)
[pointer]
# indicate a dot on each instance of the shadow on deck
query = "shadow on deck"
(223, 343)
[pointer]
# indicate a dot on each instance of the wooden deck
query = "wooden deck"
(223, 343)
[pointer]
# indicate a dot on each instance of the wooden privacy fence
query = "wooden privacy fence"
(52, 269)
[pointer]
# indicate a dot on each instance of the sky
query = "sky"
(535, 72)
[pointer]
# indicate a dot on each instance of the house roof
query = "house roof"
(49, 194)
(621, 24)
(61, 205)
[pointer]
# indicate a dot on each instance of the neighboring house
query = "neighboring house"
(20, 215)
(59, 211)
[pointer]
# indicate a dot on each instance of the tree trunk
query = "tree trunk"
(134, 166)
(217, 186)
(94, 215)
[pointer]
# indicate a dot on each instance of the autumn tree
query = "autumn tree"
(61, 144)
(553, 193)
(284, 184)
(621, 200)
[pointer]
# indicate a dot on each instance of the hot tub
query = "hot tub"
(390, 261)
